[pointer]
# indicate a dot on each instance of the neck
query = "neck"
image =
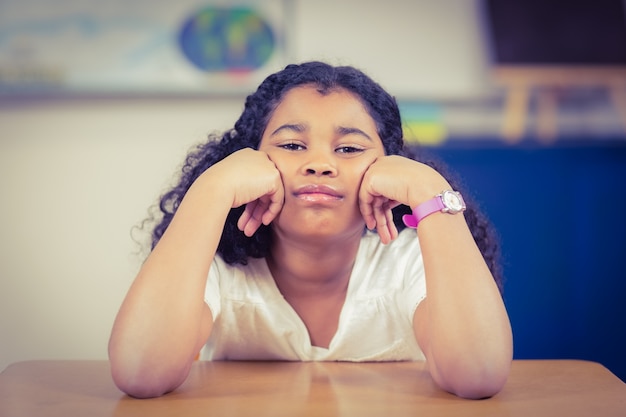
(307, 269)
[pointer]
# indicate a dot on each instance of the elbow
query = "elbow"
(474, 380)
(478, 387)
(475, 372)
(139, 377)
(140, 388)
(139, 382)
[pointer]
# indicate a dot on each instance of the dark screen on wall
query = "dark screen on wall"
(557, 32)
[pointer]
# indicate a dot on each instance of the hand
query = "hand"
(260, 189)
(390, 181)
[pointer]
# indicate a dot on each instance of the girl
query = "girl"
(308, 232)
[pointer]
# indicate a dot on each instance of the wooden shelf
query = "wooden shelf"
(521, 82)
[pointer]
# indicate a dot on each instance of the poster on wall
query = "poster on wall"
(139, 46)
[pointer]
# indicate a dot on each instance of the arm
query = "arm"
(462, 326)
(163, 321)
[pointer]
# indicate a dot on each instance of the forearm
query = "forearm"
(163, 320)
(463, 324)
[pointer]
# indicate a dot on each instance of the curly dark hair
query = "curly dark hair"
(234, 246)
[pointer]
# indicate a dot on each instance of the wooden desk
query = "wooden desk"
(84, 389)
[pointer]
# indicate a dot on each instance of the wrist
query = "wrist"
(448, 201)
(429, 186)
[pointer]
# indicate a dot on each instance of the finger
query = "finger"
(254, 222)
(245, 216)
(247, 222)
(381, 222)
(367, 212)
(259, 210)
(385, 225)
(368, 216)
(391, 226)
(275, 206)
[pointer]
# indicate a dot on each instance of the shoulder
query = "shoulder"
(254, 266)
(251, 282)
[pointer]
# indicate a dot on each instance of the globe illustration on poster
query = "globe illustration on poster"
(232, 40)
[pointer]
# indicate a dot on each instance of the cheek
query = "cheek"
(359, 169)
(273, 154)
(282, 165)
(354, 175)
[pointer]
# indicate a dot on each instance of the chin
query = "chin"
(318, 223)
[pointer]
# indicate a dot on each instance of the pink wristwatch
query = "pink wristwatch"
(448, 201)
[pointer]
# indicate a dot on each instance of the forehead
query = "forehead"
(309, 101)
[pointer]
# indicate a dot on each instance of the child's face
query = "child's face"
(322, 145)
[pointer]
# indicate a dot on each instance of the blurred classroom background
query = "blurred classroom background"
(100, 101)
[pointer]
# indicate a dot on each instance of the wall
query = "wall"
(424, 49)
(75, 178)
(76, 175)
(557, 211)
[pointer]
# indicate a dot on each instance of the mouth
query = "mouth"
(317, 193)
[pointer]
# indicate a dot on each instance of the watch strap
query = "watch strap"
(423, 210)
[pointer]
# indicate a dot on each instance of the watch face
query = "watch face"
(453, 201)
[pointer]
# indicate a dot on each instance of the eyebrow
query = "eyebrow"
(341, 130)
(299, 128)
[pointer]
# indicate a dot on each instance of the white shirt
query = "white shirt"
(252, 320)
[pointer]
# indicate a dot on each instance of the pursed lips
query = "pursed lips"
(317, 193)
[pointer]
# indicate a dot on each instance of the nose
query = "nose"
(319, 171)
(320, 164)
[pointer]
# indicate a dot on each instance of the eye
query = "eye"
(291, 146)
(348, 149)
